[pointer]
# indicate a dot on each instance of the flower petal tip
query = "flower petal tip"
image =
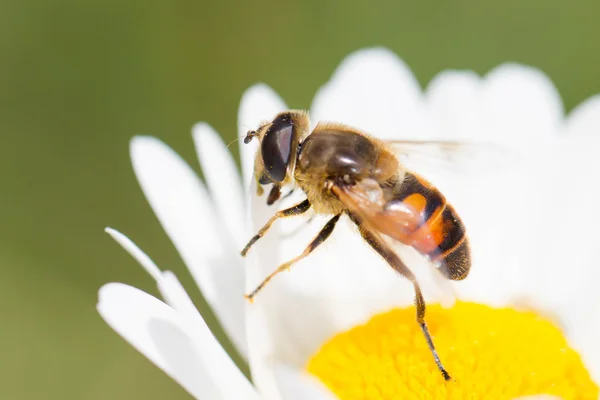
(258, 89)
(584, 120)
(140, 147)
(524, 79)
(259, 101)
(372, 53)
(202, 128)
(102, 292)
(111, 294)
(452, 81)
(375, 59)
(135, 252)
(206, 139)
(138, 140)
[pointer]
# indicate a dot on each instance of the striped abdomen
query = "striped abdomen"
(441, 235)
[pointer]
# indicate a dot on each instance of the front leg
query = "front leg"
(320, 238)
(288, 212)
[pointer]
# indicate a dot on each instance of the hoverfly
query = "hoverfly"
(344, 171)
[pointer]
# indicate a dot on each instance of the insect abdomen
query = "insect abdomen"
(441, 236)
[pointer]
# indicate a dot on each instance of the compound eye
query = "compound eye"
(276, 147)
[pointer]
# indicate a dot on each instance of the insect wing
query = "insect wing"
(366, 201)
(454, 156)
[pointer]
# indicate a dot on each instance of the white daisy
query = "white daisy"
(531, 230)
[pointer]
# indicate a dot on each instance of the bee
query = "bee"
(344, 171)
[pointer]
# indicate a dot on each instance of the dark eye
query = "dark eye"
(276, 147)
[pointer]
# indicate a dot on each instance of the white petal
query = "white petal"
(177, 297)
(128, 313)
(222, 369)
(135, 252)
(570, 244)
(186, 213)
(375, 91)
(260, 336)
(520, 104)
(454, 101)
(259, 103)
(295, 385)
(584, 120)
(586, 344)
(156, 330)
(516, 106)
(222, 179)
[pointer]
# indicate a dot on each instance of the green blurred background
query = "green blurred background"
(78, 79)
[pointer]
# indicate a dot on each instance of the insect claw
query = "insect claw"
(446, 376)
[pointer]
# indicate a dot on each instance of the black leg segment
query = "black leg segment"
(288, 212)
(320, 238)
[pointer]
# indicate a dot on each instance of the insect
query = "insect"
(344, 171)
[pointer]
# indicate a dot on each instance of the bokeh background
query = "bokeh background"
(78, 79)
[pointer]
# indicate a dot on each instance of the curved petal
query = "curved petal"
(520, 104)
(563, 273)
(454, 103)
(158, 332)
(222, 179)
(137, 253)
(461, 104)
(583, 329)
(186, 213)
(222, 368)
(584, 120)
(375, 91)
(128, 313)
(259, 103)
(520, 108)
(232, 383)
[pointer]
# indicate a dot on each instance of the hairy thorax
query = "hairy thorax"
(333, 154)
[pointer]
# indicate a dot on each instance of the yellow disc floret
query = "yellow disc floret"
(491, 353)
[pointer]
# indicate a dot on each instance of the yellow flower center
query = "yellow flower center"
(492, 353)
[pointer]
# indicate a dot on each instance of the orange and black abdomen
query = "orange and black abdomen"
(441, 235)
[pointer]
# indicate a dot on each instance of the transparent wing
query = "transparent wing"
(454, 156)
(365, 200)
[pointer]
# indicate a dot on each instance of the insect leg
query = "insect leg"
(288, 212)
(395, 262)
(274, 194)
(320, 238)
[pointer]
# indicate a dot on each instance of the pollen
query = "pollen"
(492, 353)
